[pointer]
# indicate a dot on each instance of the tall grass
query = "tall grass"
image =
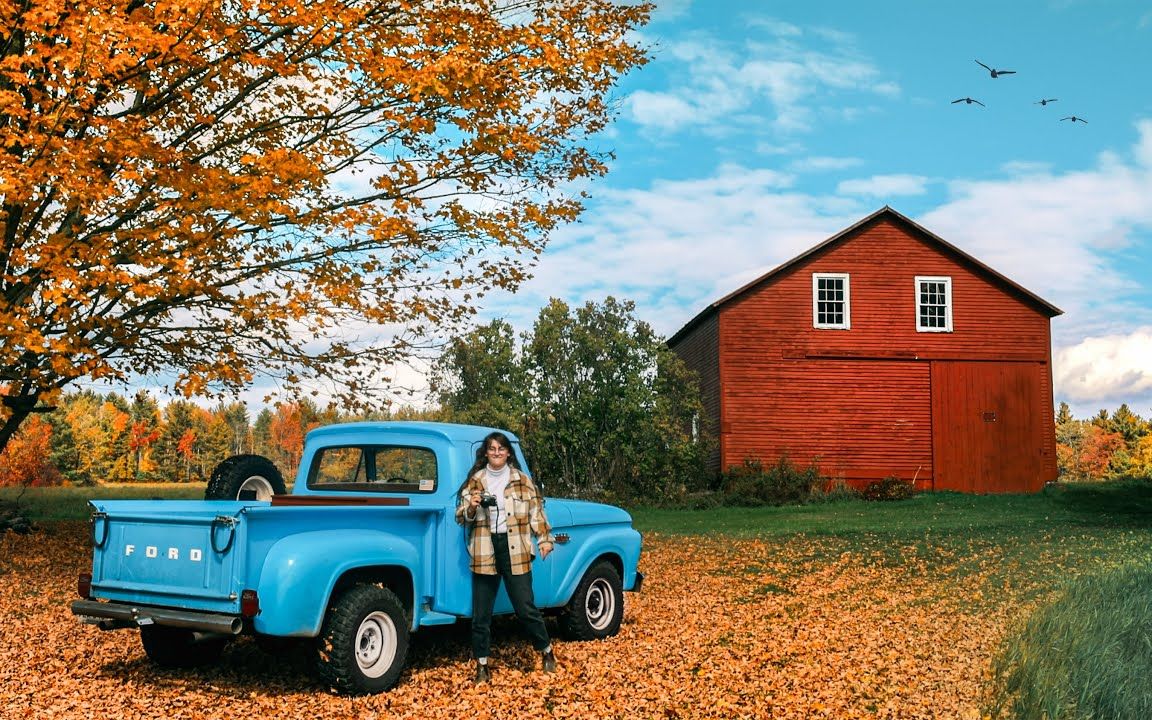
(1086, 656)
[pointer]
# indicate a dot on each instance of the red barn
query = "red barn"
(882, 351)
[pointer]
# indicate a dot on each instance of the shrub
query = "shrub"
(890, 488)
(835, 491)
(754, 484)
(1086, 655)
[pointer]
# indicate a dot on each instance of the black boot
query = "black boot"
(482, 675)
(549, 664)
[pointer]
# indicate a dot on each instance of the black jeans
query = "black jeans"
(484, 589)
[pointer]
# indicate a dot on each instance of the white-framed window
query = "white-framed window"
(933, 304)
(831, 301)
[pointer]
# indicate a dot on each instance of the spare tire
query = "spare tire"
(245, 477)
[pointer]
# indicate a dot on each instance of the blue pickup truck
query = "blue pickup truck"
(363, 552)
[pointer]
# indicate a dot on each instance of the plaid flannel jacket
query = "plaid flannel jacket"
(525, 518)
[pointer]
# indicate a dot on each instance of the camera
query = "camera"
(487, 500)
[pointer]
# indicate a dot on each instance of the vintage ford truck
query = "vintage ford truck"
(364, 551)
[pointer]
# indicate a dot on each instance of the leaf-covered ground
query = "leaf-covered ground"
(775, 628)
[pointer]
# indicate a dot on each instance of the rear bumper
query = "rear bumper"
(114, 615)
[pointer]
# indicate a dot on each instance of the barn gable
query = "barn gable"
(925, 364)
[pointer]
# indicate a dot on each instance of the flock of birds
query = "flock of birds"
(997, 73)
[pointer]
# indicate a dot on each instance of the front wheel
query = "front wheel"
(597, 606)
(173, 647)
(363, 645)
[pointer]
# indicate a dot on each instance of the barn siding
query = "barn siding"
(858, 420)
(844, 395)
(700, 351)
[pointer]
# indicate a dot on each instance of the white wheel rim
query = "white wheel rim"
(256, 484)
(376, 644)
(600, 604)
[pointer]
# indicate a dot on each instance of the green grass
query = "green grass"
(1088, 655)
(1063, 506)
(71, 503)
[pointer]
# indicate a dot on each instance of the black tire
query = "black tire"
(245, 477)
(363, 645)
(172, 647)
(597, 606)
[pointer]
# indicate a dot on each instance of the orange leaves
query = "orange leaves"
(25, 459)
(790, 628)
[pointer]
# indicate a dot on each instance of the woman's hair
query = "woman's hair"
(482, 455)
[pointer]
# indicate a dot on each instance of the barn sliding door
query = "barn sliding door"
(987, 422)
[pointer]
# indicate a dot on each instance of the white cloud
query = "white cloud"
(663, 111)
(719, 85)
(884, 186)
(821, 163)
(1106, 370)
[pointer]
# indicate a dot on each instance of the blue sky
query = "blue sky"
(761, 128)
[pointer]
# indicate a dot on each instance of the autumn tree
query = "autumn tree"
(25, 460)
(303, 190)
(176, 446)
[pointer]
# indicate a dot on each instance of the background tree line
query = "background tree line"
(604, 409)
(1108, 446)
(92, 438)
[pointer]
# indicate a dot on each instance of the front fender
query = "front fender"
(300, 572)
(621, 541)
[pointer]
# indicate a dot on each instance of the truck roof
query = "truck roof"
(452, 432)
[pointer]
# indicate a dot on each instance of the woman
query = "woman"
(501, 509)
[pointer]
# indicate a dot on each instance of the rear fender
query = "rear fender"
(300, 572)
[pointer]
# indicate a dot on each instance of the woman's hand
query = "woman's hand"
(545, 549)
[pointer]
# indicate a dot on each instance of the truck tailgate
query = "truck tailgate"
(186, 554)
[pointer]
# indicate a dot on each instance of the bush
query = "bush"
(1087, 655)
(835, 491)
(752, 484)
(890, 488)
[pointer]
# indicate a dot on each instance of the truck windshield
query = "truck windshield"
(374, 468)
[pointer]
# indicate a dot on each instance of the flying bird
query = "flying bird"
(1045, 102)
(969, 101)
(1075, 119)
(995, 73)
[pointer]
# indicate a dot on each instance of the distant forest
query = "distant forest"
(91, 439)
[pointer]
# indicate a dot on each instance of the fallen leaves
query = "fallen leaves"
(776, 628)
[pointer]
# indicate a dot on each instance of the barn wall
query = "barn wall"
(858, 420)
(699, 350)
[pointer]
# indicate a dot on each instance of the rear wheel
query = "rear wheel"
(363, 645)
(597, 606)
(245, 477)
(179, 647)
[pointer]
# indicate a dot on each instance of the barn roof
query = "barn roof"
(884, 213)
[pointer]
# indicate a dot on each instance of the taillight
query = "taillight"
(249, 604)
(84, 585)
